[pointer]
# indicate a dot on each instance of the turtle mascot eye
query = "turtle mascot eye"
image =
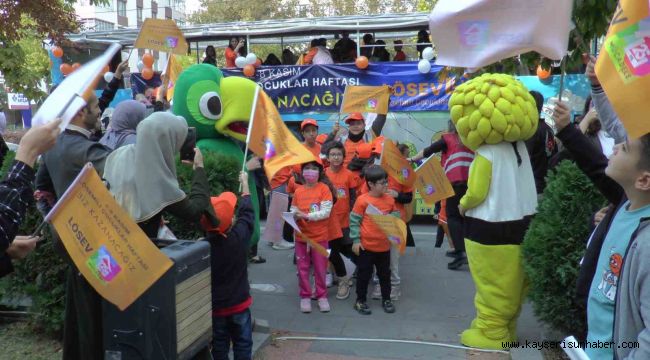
(219, 108)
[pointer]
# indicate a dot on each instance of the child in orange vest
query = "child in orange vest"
(311, 205)
(370, 243)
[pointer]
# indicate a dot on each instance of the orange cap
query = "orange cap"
(364, 151)
(354, 116)
(321, 138)
(308, 121)
(224, 207)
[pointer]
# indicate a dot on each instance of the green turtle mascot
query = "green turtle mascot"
(494, 114)
(219, 108)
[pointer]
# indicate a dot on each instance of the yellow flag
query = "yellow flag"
(270, 139)
(106, 245)
(173, 70)
(394, 228)
(623, 67)
(162, 35)
(396, 165)
(432, 182)
(368, 99)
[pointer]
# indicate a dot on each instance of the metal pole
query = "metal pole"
(197, 53)
(248, 40)
(358, 40)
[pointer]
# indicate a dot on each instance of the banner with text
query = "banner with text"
(298, 89)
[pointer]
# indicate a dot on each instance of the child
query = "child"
(612, 282)
(231, 317)
(345, 182)
(370, 243)
(311, 206)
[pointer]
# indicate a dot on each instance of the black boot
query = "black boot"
(459, 260)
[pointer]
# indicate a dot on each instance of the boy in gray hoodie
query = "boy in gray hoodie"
(613, 277)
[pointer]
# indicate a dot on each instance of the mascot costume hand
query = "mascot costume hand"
(494, 114)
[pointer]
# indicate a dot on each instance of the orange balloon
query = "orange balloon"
(542, 73)
(258, 63)
(147, 60)
(106, 69)
(361, 62)
(65, 68)
(75, 66)
(57, 52)
(147, 73)
(249, 70)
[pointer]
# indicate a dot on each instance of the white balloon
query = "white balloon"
(424, 66)
(251, 59)
(240, 62)
(108, 76)
(140, 65)
(427, 53)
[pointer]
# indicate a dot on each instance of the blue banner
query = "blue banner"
(300, 89)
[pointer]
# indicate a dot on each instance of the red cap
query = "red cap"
(364, 151)
(354, 116)
(308, 121)
(321, 138)
(224, 207)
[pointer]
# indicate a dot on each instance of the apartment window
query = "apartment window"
(101, 25)
(121, 7)
(139, 14)
(154, 14)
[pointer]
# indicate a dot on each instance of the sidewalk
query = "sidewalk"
(436, 306)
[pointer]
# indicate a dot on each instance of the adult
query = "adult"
(345, 50)
(16, 192)
(380, 54)
(272, 60)
(149, 187)
(456, 159)
(235, 48)
(318, 53)
(82, 329)
(399, 54)
(366, 48)
(3, 145)
(541, 146)
(424, 41)
(125, 119)
(210, 56)
(288, 58)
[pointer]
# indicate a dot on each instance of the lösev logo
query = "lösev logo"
(103, 265)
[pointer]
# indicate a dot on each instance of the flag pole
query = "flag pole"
(562, 71)
(250, 127)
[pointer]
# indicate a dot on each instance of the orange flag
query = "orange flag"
(366, 99)
(396, 165)
(110, 250)
(623, 67)
(270, 139)
(173, 70)
(394, 228)
(432, 182)
(162, 35)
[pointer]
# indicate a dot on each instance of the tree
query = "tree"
(25, 25)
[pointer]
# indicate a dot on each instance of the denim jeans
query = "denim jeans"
(236, 328)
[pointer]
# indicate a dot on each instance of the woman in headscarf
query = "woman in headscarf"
(148, 187)
(125, 119)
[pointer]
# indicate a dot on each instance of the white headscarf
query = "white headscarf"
(142, 176)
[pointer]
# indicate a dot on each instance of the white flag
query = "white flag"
(476, 33)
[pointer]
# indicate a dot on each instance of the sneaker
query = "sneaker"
(362, 308)
(323, 305)
(376, 293)
(256, 259)
(305, 305)
(329, 280)
(283, 245)
(457, 263)
(388, 306)
(344, 289)
(395, 292)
